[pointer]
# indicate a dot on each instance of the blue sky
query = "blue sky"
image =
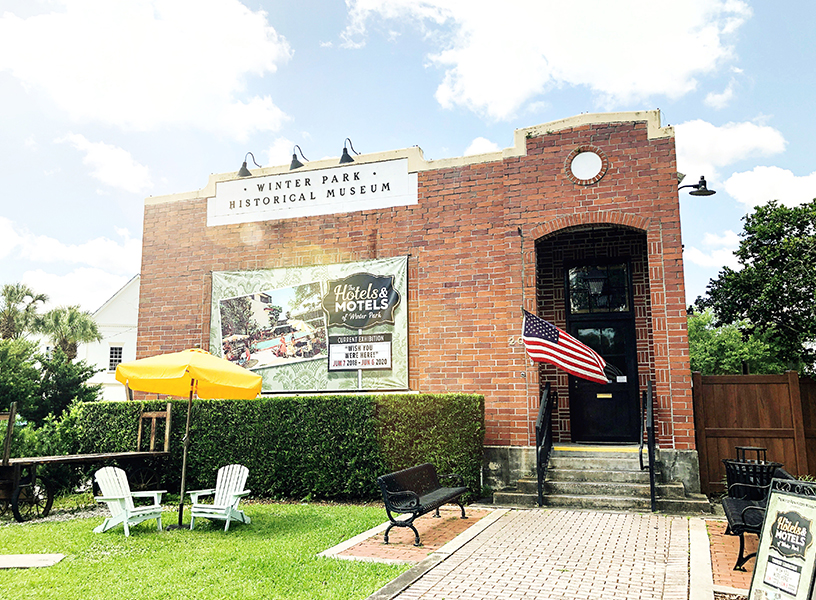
(108, 102)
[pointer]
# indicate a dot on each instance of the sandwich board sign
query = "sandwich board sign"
(786, 557)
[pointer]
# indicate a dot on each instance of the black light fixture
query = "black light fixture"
(596, 280)
(296, 164)
(700, 189)
(243, 171)
(346, 157)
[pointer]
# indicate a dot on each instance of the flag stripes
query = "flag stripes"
(544, 342)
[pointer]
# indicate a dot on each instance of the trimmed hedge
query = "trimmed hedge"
(330, 447)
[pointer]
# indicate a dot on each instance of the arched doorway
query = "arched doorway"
(592, 281)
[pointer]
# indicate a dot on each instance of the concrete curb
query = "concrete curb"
(701, 579)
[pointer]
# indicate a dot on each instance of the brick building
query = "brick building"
(578, 222)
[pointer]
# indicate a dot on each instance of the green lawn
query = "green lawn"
(274, 557)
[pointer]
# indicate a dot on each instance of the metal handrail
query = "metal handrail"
(544, 437)
(648, 400)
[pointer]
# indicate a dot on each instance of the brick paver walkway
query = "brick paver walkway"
(555, 554)
(724, 552)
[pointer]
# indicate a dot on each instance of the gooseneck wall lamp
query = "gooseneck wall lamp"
(346, 157)
(296, 164)
(700, 189)
(243, 171)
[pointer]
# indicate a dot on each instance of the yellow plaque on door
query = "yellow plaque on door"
(604, 395)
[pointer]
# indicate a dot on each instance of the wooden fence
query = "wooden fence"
(777, 412)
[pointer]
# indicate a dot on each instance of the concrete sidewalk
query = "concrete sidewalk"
(566, 554)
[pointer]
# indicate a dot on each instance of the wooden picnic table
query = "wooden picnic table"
(30, 494)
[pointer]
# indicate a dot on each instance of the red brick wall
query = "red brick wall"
(465, 268)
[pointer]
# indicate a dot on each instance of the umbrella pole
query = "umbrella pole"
(184, 454)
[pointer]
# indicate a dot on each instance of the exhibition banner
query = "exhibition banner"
(317, 328)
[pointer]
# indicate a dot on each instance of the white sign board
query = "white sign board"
(363, 352)
(348, 188)
(785, 559)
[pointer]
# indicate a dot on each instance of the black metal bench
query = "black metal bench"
(745, 513)
(415, 492)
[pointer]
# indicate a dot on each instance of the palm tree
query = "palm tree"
(67, 327)
(18, 310)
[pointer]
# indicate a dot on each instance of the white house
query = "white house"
(117, 320)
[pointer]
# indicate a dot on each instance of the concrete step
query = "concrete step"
(514, 498)
(671, 491)
(594, 463)
(694, 504)
(628, 476)
(602, 487)
(610, 451)
(604, 477)
(585, 488)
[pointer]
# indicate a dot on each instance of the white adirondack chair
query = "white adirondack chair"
(228, 491)
(116, 494)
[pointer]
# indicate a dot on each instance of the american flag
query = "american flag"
(544, 342)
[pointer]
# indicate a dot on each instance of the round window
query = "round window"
(586, 165)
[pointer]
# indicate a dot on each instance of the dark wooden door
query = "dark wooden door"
(607, 412)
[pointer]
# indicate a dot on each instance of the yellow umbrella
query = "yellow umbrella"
(192, 371)
(173, 374)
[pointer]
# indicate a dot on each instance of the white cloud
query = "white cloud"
(102, 253)
(703, 148)
(721, 100)
(762, 184)
(144, 64)
(280, 152)
(719, 251)
(728, 239)
(89, 288)
(497, 58)
(120, 257)
(481, 146)
(713, 258)
(102, 266)
(9, 238)
(111, 165)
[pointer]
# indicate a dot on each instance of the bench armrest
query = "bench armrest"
(745, 510)
(753, 486)
(411, 499)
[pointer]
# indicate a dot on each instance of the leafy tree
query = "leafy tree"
(274, 312)
(62, 381)
(19, 375)
(723, 350)
(237, 317)
(18, 310)
(67, 327)
(775, 289)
